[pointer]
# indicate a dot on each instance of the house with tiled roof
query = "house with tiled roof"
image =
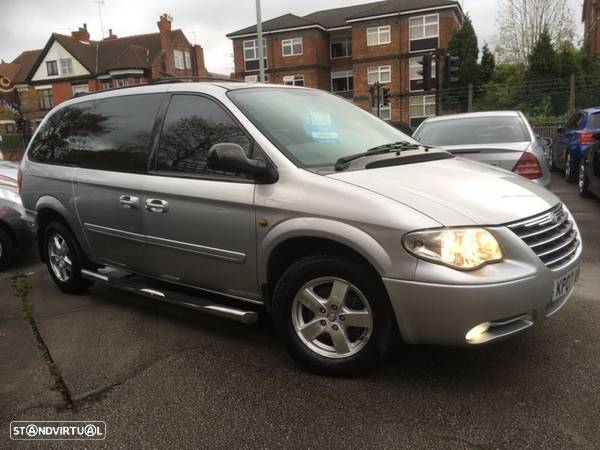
(69, 65)
(347, 50)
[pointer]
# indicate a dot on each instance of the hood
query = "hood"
(456, 192)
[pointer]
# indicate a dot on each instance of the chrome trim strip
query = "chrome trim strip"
(89, 274)
(227, 255)
(556, 249)
(114, 232)
(554, 238)
(563, 257)
(537, 218)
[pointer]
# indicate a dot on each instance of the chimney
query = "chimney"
(110, 35)
(82, 34)
(164, 26)
(198, 56)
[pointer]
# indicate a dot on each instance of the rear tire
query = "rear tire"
(584, 182)
(314, 302)
(7, 250)
(553, 167)
(570, 170)
(65, 259)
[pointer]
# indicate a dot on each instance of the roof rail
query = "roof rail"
(192, 80)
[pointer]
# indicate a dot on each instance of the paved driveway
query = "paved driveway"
(161, 376)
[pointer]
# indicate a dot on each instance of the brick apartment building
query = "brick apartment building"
(74, 64)
(590, 17)
(346, 50)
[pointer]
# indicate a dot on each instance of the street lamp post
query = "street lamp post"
(261, 56)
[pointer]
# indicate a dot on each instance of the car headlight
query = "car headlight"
(459, 248)
(10, 196)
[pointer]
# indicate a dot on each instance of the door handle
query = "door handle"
(129, 202)
(155, 205)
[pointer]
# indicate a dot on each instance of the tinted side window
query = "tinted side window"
(192, 126)
(110, 134)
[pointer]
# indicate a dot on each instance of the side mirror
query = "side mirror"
(230, 157)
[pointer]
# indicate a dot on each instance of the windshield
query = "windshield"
(473, 131)
(314, 128)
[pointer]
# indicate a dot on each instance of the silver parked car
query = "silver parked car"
(500, 138)
(224, 196)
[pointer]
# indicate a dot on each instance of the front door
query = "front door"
(200, 224)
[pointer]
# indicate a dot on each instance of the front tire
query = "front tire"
(584, 182)
(333, 315)
(65, 259)
(570, 170)
(7, 250)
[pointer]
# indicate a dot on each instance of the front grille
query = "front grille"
(551, 235)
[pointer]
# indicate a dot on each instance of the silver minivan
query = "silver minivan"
(233, 199)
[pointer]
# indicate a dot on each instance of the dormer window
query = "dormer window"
(66, 66)
(52, 68)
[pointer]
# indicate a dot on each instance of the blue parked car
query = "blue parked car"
(573, 140)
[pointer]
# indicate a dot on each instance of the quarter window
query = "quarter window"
(192, 126)
(179, 63)
(381, 74)
(66, 66)
(111, 134)
(379, 35)
(342, 81)
(294, 80)
(52, 68)
(292, 47)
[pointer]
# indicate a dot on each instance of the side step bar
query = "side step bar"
(131, 283)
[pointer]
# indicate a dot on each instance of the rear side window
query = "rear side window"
(111, 134)
(594, 121)
(192, 126)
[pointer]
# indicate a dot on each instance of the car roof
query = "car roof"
(475, 114)
(592, 110)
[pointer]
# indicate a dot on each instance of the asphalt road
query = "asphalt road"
(161, 377)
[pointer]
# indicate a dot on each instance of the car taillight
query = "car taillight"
(19, 179)
(528, 166)
(587, 138)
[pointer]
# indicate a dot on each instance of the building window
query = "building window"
(379, 35)
(422, 107)
(52, 68)
(80, 89)
(424, 32)
(342, 81)
(385, 112)
(46, 101)
(292, 47)
(251, 78)
(381, 74)
(106, 84)
(341, 47)
(179, 64)
(121, 82)
(251, 54)
(66, 66)
(188, 59)
(10, 128)
(294, 80)
(137, 80)
(416, 80)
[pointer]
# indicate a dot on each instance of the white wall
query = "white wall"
(55, 53)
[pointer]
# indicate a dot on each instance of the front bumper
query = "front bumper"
(443, 313)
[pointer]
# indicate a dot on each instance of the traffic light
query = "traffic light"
(425, 72)
(385, 95)
(373, 96)
(451, 69)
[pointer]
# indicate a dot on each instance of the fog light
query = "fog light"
(475, 333)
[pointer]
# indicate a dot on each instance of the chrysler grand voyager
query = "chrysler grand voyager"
(221, 196)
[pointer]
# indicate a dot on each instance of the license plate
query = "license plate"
(565, 283)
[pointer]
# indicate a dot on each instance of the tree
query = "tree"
(463, 44)
(487, 66)
(543, 61)
(569, 60)
(520, 23)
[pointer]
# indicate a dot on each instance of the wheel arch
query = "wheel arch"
(50, 209)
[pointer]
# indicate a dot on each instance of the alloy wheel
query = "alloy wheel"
(59, 257)
(582, 175)
(332, 317)
(568, 166)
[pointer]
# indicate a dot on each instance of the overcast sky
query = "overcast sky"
(27, 24)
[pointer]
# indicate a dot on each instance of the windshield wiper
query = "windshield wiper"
(394, 147)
